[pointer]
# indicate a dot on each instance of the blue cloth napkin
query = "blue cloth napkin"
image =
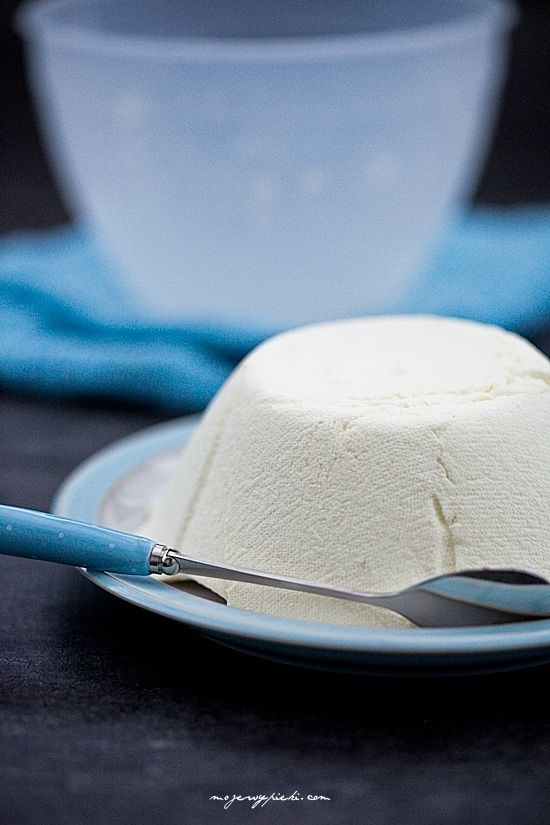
(67, 327)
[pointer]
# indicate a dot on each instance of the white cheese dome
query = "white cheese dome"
(368, 453)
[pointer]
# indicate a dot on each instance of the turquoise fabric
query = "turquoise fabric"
(68, 328)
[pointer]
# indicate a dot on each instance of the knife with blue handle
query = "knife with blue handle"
(469, 597)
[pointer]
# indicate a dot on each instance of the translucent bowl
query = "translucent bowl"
(266, 163)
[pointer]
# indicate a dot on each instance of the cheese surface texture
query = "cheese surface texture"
(368, 453)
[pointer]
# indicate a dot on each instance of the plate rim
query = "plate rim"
(81, 494)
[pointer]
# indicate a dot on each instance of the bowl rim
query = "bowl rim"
(35, 19)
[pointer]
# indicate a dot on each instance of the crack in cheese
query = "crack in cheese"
(368, 453)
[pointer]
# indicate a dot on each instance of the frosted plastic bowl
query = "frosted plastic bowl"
(278, 163)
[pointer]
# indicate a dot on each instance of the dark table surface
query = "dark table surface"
(110, 714)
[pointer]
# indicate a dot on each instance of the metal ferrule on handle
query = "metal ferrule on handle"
(162, 561)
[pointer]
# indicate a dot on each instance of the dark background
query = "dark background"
(113, 715)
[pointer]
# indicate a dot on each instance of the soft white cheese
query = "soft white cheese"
(368, 453)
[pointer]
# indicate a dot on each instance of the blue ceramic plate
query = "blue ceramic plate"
(116, 487)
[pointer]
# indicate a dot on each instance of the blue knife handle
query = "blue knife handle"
(34, 535)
